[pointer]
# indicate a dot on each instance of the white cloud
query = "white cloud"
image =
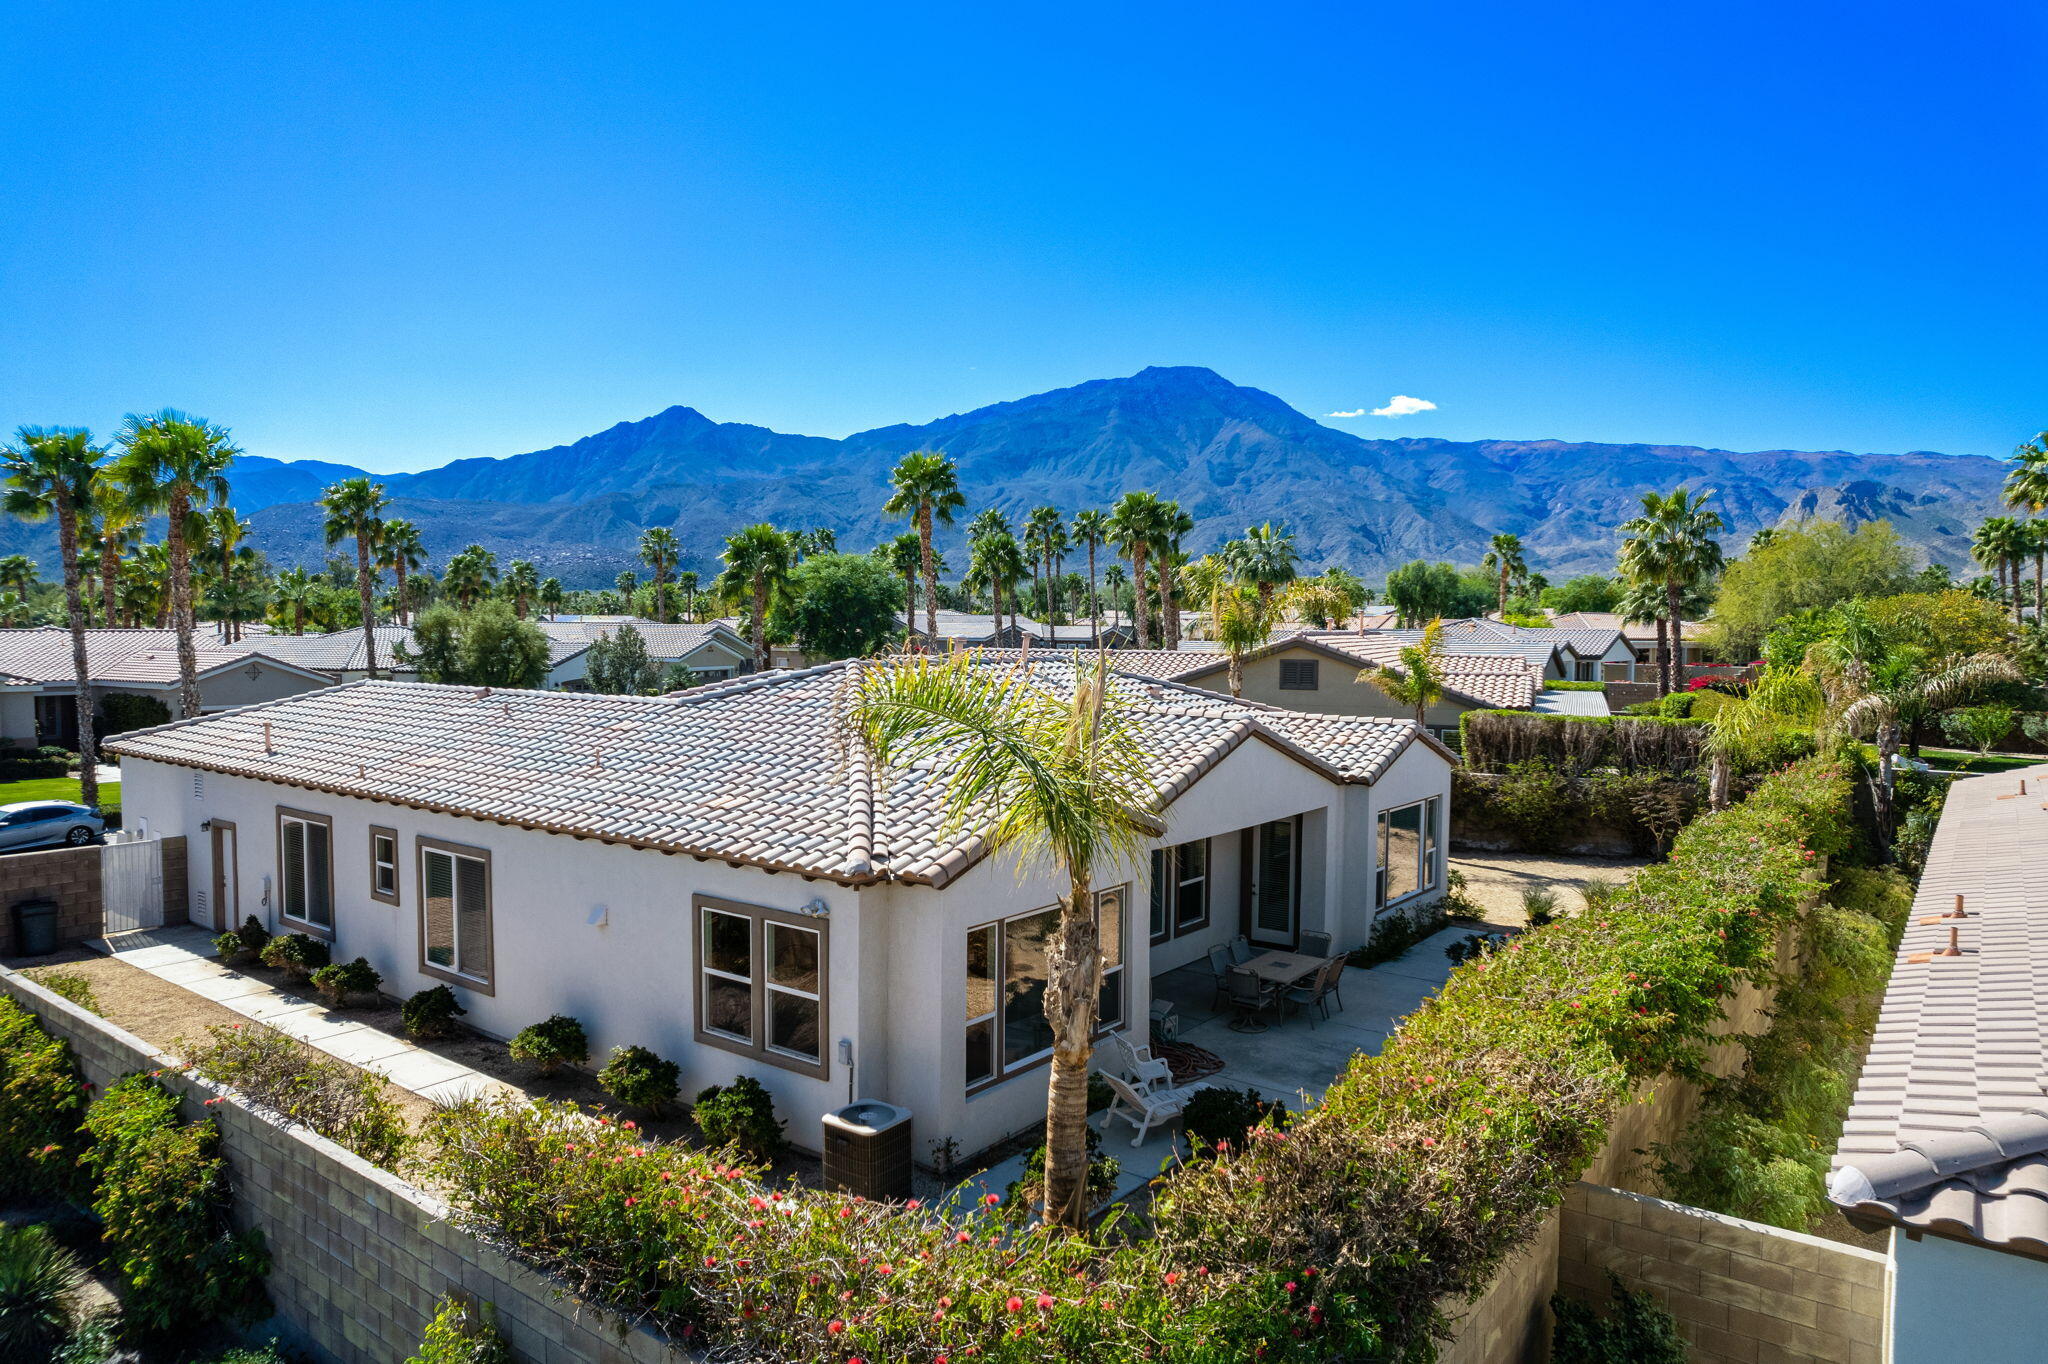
(1359, 413)
(1401, 405)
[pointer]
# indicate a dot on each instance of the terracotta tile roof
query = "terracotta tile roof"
(1948, 1130)
(752, 771)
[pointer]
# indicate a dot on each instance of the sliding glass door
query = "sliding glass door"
(1275, 882)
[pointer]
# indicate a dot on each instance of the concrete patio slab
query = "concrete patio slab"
(223, 988)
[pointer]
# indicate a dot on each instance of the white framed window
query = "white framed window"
(384, 864)
(1408, 844)
(1007, 1032)
(1180, 890)
(305, 870)
(761, 983)
(455, 914)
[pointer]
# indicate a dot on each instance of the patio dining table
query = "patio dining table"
(1281, 969)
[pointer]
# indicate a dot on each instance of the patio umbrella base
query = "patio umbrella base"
(1248, 1025)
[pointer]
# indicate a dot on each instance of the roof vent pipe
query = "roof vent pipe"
(266, 737)
(1956, 913)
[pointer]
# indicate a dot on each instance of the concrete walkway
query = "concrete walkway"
(184, 956)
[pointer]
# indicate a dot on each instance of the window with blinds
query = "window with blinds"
(455, 912)
(305, 869)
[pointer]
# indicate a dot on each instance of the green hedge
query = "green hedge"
(42, 1094)
(1495, 740)
(1423, 1168)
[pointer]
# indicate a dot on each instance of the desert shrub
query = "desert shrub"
(1220, 1117)
(1636, 1330)
(1472, 945)
(1537, 803)
(1599, 894)
(124, 711)
(1027, 1191)
(552, 1044)
(1978, 727)
(1497, 740)
(41, 1095)
(241, 944)
(161, 1194)
(298, 955)
(459, 1334)
(1540, 904)
(42, 1289)
(1331, 1239)
(70, 984)
(638, 1078)
(342, 979)
(346, 1105)
(431, 1013)
(742, 1113)
(1392, 934)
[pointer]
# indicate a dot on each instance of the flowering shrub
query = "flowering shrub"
(346, 1105)
(41, 1095)
(160, 1189)
(1335, 1237)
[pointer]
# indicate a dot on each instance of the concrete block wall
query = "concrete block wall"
(70, 876)
(1510, 1322)
(359, 1257)
(1743, 1293)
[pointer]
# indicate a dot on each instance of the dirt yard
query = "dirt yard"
(1495, 881)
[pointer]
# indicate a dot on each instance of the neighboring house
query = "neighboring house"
(718, 876)
(969, 630)
(1642, 643)
(712, 650)
(38, 684)
(1946, 1141)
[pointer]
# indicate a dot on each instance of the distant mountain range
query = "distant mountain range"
(1233, 456)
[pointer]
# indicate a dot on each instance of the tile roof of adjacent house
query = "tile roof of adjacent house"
(341, 651)
(1503, 680)
(674, 640)
(1610, 620)
(132, 657)
(1948, 1130)
(752, 772)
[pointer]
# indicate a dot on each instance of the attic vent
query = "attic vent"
(199, 786)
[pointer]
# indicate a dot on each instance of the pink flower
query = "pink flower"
(833, 1328)
(1172, 1279)
(1015, 1304)
(1292, 1285)
(991, 1199)
(1045, 1302)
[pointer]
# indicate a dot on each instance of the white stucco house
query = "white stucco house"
(718, 876)
(710, 650)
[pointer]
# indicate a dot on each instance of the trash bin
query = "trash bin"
(35, 928)
(867, 1149)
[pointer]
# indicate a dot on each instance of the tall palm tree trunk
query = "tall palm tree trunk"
(369, 613)
(404, 608)
(1169, 612)
(1095, 605)
(909, 605)
(931, 569)
(81, 668)
(2040, 553)
(1073, 990)
(1138, 598)
(1677, 636)
(760, 623)
(181, 604)
(2018, 620)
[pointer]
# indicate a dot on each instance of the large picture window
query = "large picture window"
(305, 870)
(1005, 987)
(1180, 889)
(1408, 845)
(761, 983)
(455, 913)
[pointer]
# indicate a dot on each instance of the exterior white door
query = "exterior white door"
(1276, 896)
(227, 878)
(132, 884)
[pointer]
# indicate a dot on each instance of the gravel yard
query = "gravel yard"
(1495, 881)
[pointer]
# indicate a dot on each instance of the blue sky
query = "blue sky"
(395, 235)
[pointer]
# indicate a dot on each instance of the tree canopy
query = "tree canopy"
(838, 606)
(1814, 566)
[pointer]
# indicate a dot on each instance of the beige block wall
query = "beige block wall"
(359, 1257)
(1510, 1321)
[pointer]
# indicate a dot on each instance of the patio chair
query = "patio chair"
(1316, 944)
(1147, 1109)
(1333, 984)
(1138, 1066)
(1250, 997)
(1299, 996)
(1241, 950)
(1220, 963)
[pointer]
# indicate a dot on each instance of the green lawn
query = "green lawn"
(1955, 758)
(57, 788)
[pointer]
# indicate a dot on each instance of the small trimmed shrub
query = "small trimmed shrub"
(41, 1096)
(344, 979)
(70, 984)
(458, 1335)
(161, 1193)
(1394, 933)
(41, 1293)
(1635, 1331)
(1220, 1118)
(638, 1078)
(551, 1044)
(298, 955)
(431, 1013)
(1472, 945)
(1027, 1191)
(243, 944)
(346, 1105)
(1540, 904)
(741, 1114)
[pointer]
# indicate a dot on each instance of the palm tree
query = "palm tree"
(50, 473)
(628, 582)
(522, 585)
(1058, 780)
(470, 575)
(1166, 561)
(659, 549)
(293, 592)
(1504, 560)
(1672, 545)
(926, 487)
(1999, 544)
(1135, 526)
(120, 527)
(823, 540)
(686, 583)
(1419, 681)
(1090, 529)
(757, 561)
(18, 571)
(146, 586)
(355, 507)
(400, 549)
(1114, 577)
(994, 562)
(177, 465)
(2026, 487)
(1898, 693)
(1045, 536)
(905, 556)
(551, 594)
(238, 593)
(1264, 560)
(1238, 623)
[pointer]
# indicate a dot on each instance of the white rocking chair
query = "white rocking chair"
(1147, 1109)
(1139, 1065)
